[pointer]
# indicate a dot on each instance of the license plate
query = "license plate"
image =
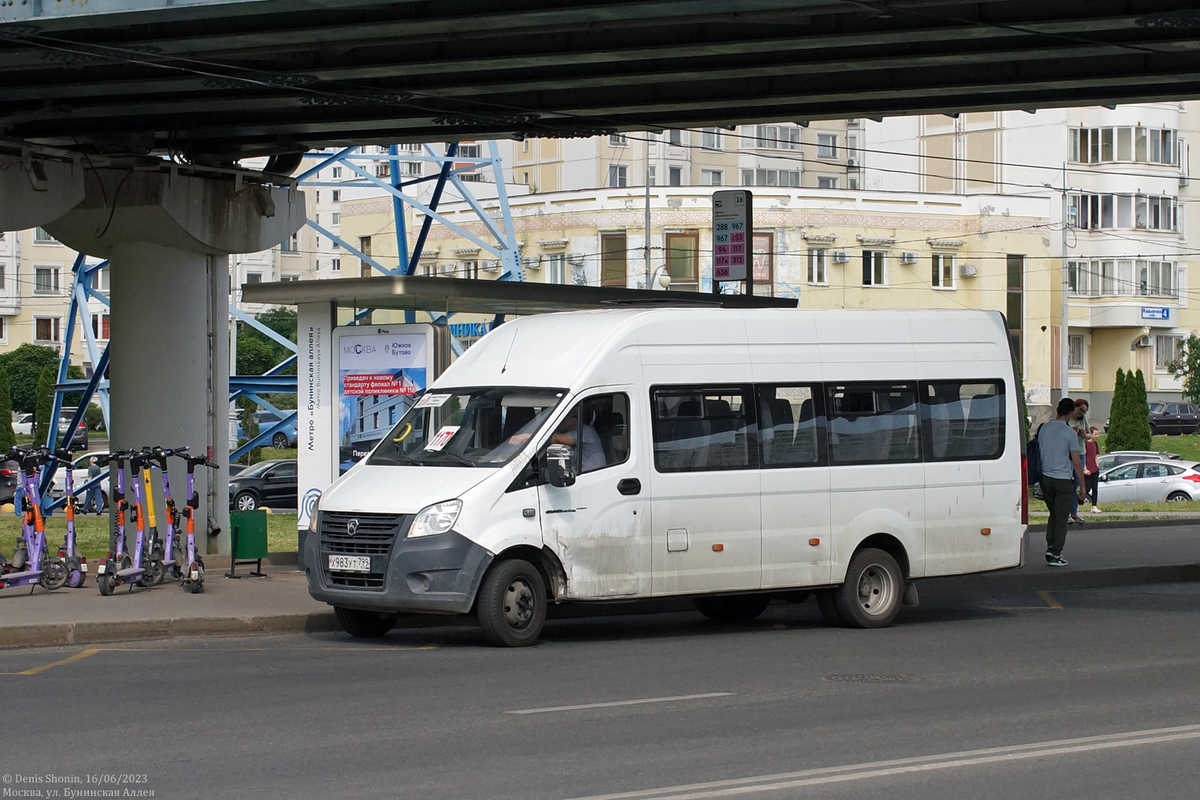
(83, 567)
(100, 570)
(350, 563)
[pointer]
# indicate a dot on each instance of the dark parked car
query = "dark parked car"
(1174, 418)
(267, 483)
(9, 477)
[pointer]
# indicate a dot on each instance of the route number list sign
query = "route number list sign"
(732, 222)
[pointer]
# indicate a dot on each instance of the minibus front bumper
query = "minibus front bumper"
(436, 574)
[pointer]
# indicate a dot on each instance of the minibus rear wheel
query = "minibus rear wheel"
(733, 608)
(874, 587)
(364, 624)
(512, 604)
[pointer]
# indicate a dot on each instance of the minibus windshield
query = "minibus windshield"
(482, 427)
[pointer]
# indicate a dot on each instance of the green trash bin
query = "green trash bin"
(248, 541)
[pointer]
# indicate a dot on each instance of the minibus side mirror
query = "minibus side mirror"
(558, 465)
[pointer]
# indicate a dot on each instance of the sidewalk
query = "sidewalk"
(1100, 556)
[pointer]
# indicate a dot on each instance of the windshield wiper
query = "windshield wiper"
(453, 456)
(393, 459)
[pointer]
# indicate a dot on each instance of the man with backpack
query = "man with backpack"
(1058, 451)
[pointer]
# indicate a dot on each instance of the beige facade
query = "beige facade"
(828, 249)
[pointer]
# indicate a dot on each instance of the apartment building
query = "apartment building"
(1120, 179)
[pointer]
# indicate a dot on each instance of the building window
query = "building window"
(253, 277)
(710, 138)
(763, 254)
(771, 177)
(826, 145)
(3, 276)
(1015, 306)
(874, 268)
(1075, 352)
(1139, 145)
(337, 172)
(818, 262)
(45, 280)
(651, 174)
(337, 218)
(774, 137)
(613, 252)
(364, 265)
(1109, 211)
(618, 140)
(556, 268)
(617, 178)
(336, 264)
(291, 244)
(289, 277)
(525, 178)
(337, 195)
(100, 326)
(3, 329)
(827, 182)
(675, 138)
(1107, 277)
(1166, 352)
(470, 269)
(42, 236)
(943, 271)
(711, 177)
(45, 329)
(675, 176)
(682, 261)
(382, 170)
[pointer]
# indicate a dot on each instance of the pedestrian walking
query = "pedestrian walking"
(1062, 477)
(1091, 468)
(1079, 423)
(94, 497)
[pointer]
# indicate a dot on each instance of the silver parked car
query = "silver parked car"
(1151, 482)
(1117, 457)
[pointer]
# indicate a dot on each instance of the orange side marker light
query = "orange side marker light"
(718, 548)
(814, 542)
(986, 531)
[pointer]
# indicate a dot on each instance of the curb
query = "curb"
(1037, 578)
(1118, 524)
(68, 633)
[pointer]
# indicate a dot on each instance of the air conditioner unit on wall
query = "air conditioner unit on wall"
(852, 163)
(908, 258)
(1145, 341)
(841, 257)
(532, 262)
(448, 268)
(967, 271)
(490, 266)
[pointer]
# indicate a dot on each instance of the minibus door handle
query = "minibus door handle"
(629, 486)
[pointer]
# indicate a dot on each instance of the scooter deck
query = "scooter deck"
(13, 578)
(132, 572)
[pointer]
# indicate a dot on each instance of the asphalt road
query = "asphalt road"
(1071, 694)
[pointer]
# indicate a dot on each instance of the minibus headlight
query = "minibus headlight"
(312, 521)
(434, 519)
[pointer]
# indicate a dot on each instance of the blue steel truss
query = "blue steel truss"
(449, 176)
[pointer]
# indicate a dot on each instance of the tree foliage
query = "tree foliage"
(44, 405)
(1187, 367)
(7, 437)
(257, 352)
(1139, 413)
(25, 366)
(1129, 418)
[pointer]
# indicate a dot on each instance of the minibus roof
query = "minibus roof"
(461, 295)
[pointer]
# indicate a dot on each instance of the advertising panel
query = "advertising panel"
(380, 370)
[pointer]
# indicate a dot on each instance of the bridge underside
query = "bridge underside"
(213, 81)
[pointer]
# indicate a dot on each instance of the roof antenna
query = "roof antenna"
(509, 353)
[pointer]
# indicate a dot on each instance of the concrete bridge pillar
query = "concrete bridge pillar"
(167, 234)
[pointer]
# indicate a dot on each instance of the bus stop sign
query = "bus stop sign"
(733, 219)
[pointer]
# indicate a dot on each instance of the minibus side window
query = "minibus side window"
(791, 425)
(704, 428)
(873, 423)
(963, 420)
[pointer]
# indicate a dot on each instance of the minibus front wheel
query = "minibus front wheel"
(874, 588)
(512, 604)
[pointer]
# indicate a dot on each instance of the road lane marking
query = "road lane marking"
(903, 766)
(44, 667)
(616, 703)
(1050, 601)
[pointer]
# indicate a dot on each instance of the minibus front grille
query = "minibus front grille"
(373, 535)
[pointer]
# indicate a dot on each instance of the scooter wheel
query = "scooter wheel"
(153, 574)
(104, 584)
(196, 587)
(54, 574)
(75, 579)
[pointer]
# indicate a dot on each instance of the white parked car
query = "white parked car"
(1151, 482)
(23, 425)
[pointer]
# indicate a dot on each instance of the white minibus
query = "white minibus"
(726, 455)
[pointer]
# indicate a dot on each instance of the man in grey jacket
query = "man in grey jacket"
(1058, 445)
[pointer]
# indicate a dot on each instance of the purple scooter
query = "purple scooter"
(76, 564)
(32, 564)
(168, 549)
(119, 569)
(192, 575)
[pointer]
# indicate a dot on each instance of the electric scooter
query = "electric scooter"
(32, 564)
(192, 578)
(121, 569)
(154, 544)
(76, 564)
(171, 552)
